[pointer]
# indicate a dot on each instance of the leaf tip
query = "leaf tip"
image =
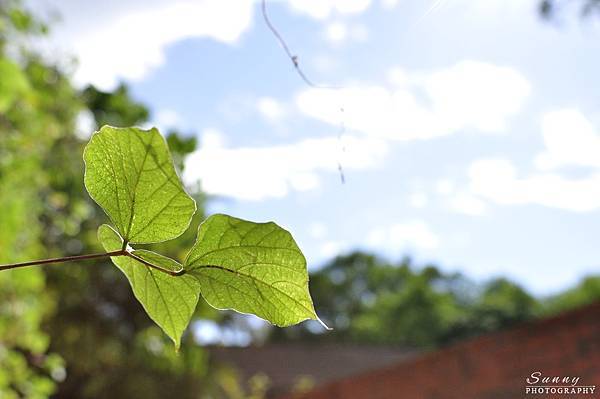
(323, 324)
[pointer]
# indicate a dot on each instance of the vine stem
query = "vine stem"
(144, 262)
(122, 252)
(61, 260)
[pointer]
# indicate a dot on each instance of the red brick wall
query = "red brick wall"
(490, 367)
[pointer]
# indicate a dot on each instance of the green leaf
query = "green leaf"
(251, 268)
(169, 300)
(130, 174)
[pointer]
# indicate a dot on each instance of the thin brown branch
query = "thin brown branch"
(293, 58)
(153, 266)
(75, 258)
(61, 260)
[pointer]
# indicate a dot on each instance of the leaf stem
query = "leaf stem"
(122, 252)
(161, 269)
(61, 260)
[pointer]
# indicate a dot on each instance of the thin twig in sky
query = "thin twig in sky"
(294, 59)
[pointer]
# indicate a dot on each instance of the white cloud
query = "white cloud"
(317, 230)
(497, 181)
(459, 200)
(476, 94)
(336, 32)
(570, 139)
(468, 204)
(212, 139)
(324, 63)
(399, 237)
(389, 4)
(332, 248)
(322, 9)
(489, 8)
(128, 39)
(359, 32)
(167, 118)
(469, 94)
(255, 173)
(418, 200)
(270, 108)
(339, 32)
(398, 76)
(445, 186)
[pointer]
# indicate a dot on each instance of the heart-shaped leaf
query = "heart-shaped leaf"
(251, 268)
(169, 300)
(130, 174)
(236, 264)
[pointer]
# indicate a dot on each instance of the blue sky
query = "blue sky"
(469, 137)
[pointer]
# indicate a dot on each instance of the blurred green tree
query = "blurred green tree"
(369, 300)
(114, 108)
(588, 291)
(37, 106)
(499, 304)
(85, 312)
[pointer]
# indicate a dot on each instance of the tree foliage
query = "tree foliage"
(369, 300)
(37, 106)
(78, 331)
